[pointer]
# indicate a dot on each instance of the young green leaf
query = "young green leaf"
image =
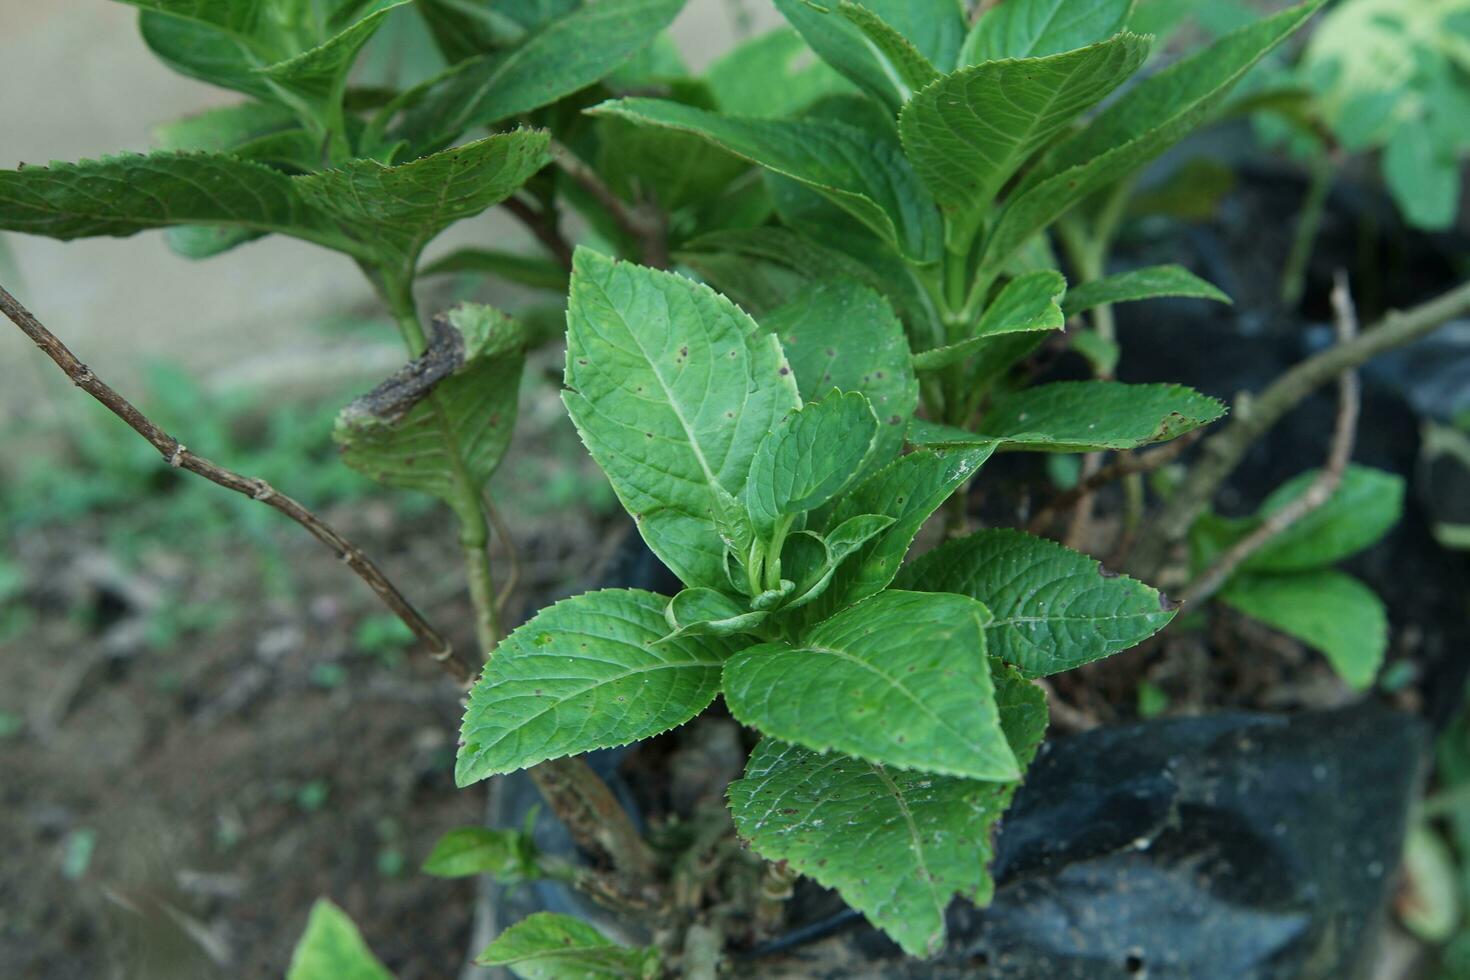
(333, 949)
(772, 75)
(245, 19)
(1126, 287)
(908, 490)
(399, 209)
(568, 54)
(899, 679)
(585, 674)
(224, 128)
(935, 28)
(672, 388)
(968, 133)
(200, 51)
(897, 846)
(705, 612)
(904, 63)
(506, 855)
(842, 335)
(864, 172)
(461, 393)
(1053, 608)
(1140, 125)
(813, 571)
(1027, 304)
(809, 458)
(318, 75)
(548, 946)
(1365, 506)
(123, 195)
(1325, 609)
(1037, 28)
(1083, 416)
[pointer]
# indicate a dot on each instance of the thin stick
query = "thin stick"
(1222, 452)
(1344, 433)
(1125, 464)
(642, 224)
(179, 456)
(543, 225)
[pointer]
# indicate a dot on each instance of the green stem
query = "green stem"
(1309, 222)
(773, 552)
(474, 530)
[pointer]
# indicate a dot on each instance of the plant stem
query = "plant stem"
(1309, 222)
(593, 816)
(474, 531)
(1223, 452)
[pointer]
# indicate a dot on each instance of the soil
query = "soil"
(227, 777)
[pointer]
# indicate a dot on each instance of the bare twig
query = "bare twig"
(1126, 464)
(179, 456)
(1222, 452)
(543, 225)
(1344, 433)
(640, 222)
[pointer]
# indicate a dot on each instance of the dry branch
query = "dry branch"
(1344, 434)
(179, 456)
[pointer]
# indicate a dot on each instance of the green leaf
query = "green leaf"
(1326, 609)
(897, 846)
(445, 418)
(1028, 303)
(242, 18)
(548, 946)
(809, 458)
(771, 75)
(201, 51)
(318, 75)
(224, 128)
(861, 171)
(567, 55)
(903, 62)
(1423, 178)
(400, 209)
(675, 169)
(252, 130)
(526, 270)
(764, 268)
(702, 611)
(1147, 283)
(968, 133)
(672, 388)
(812, 566)
(1036, 28)
(935, 28)
(333, 949)
(899, 679)
(841, 335)
(1138, 126)
(585, 674)
(1084, 416)
(123, 195)
(507, 855)
(1364, 507)
(1054, 608)
(908, 490)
